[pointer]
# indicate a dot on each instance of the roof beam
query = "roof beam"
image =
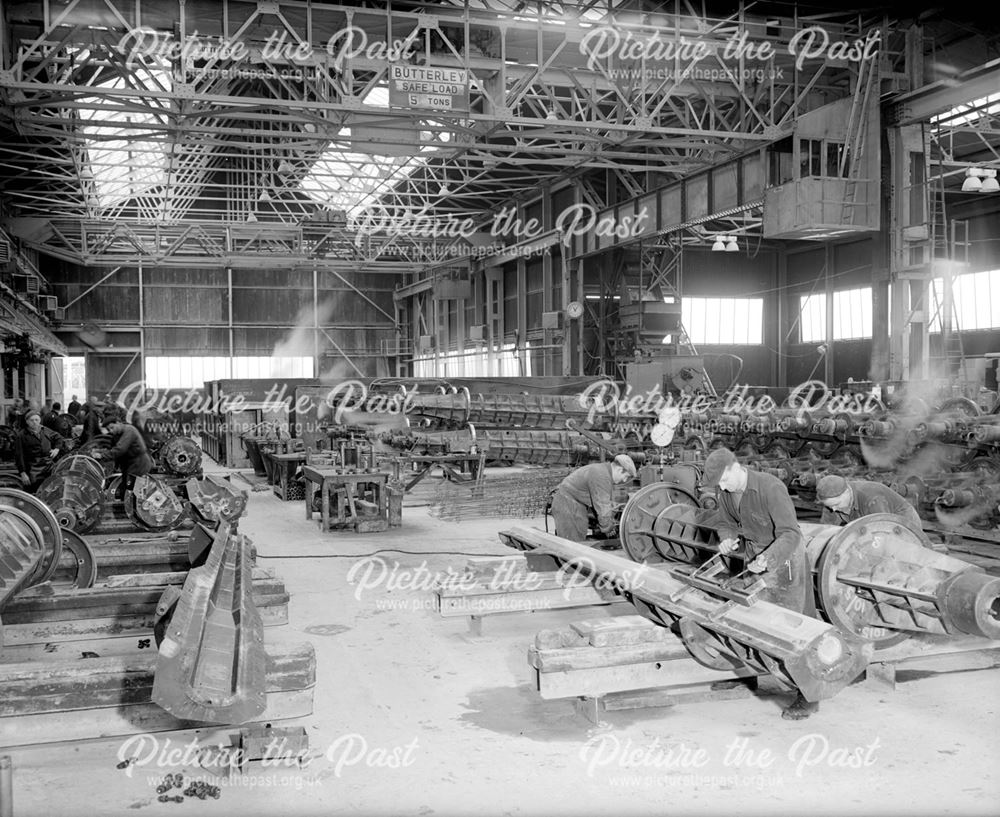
(939, 97)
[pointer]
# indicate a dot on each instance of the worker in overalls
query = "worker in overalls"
(756, 506)
(129, 453)
(845, 501)
(590, 487)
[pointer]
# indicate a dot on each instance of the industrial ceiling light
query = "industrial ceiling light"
(264, 196)
(731, 245)
(552, 115)
(252, 218)
(990, 183)
(973, 180)
(443, 190)
(285, 167)
(720, 243)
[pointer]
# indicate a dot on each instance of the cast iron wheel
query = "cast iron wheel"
(42, 516)
(640, 515)
(85, 574)
(703, 646)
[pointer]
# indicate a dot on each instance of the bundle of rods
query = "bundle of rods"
(517, 496)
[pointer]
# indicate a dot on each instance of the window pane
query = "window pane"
(812, 318)
(172, 372)
(728, 321)
(726, 324)
(852, 314)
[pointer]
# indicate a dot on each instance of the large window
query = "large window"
(192, 372)
(507, 363)
(852, 315)
(723, 321)
(977, 301)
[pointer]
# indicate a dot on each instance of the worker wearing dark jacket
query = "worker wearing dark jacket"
(591, 486)
(91, 423)
(757, 507)
(129, 453)
(34, 449)
(60, 423)
(15, 414)
(845, 501)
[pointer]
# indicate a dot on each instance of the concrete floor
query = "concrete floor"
(415, 716)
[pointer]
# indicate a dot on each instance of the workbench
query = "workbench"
(461, 467)
(281, 470)
(348, 498)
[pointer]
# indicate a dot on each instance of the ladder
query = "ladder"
(952, 356)
(854, 145)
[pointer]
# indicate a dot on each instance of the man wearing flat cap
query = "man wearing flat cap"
(35, 446)
(845, 501)
(591, 486)
(757, 507)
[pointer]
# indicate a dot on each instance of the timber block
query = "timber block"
(102, 697)
(930, 655)
(49, 603)
(582, 670)
(621, 631)
(592, 708)
(506, 584)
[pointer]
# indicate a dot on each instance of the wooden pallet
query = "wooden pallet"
(49, 702)
(629, 662)
(491, 586)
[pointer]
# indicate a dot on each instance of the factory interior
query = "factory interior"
(512, 407)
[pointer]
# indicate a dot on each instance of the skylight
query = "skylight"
(968, 112)
(344, 179)
(122, 163)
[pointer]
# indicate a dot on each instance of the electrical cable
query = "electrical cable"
(381, 550)
(739, 371)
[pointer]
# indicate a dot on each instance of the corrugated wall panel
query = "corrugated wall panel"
(185, 305)
(296, 279)
(272, 306)
(115, 300)
(254, 341)
(190, 277)
(111, 373)
(189, 340)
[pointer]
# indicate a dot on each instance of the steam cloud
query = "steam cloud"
(299, 342)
